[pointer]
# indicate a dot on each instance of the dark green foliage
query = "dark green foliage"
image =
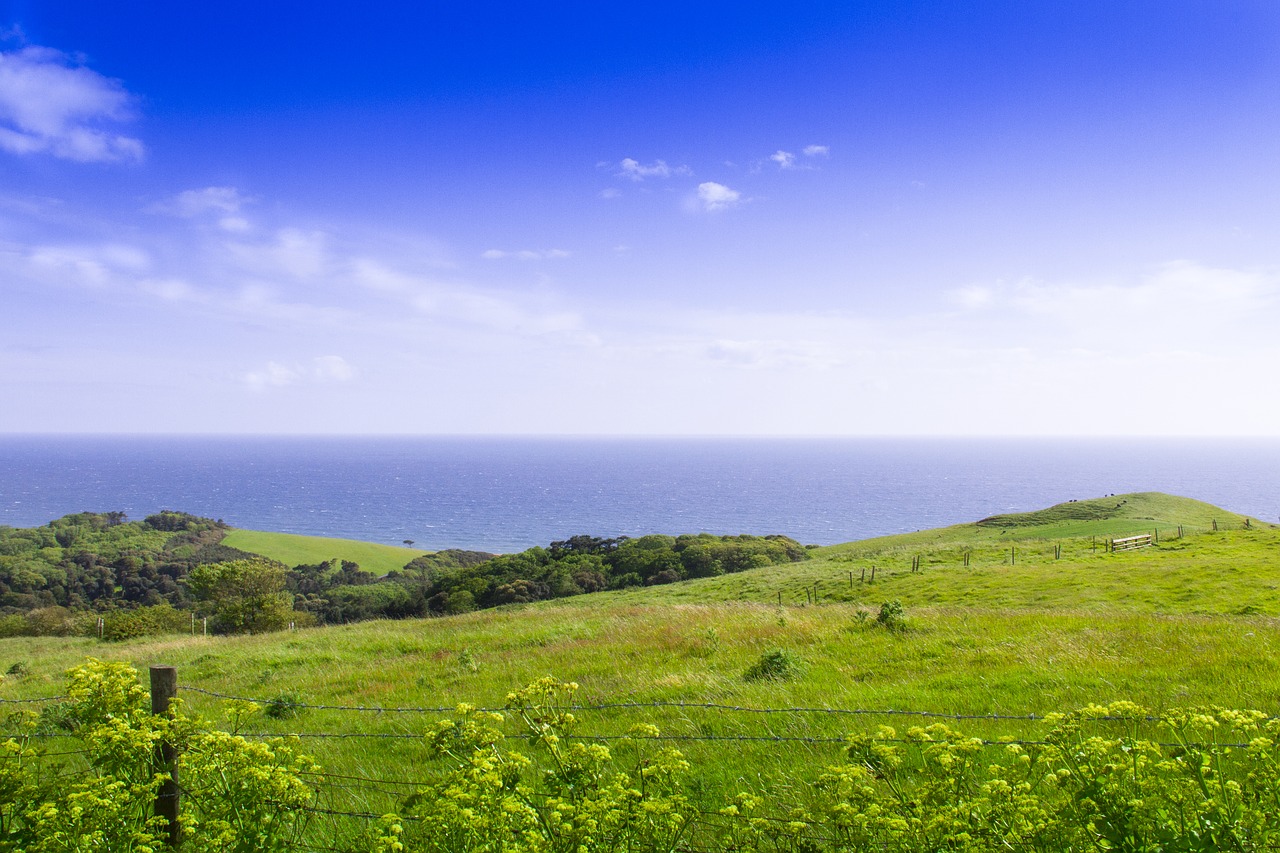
(137, 575)
(286, 706)
(892, 616)
(584, 564)
(178, 522)
(243, 596)
(100, 561)
(775, 665)
(144, 622)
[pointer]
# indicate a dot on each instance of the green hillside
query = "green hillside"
(293, 549)
(1114, 516)
(1043, 618)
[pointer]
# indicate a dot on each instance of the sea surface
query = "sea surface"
(508, 494)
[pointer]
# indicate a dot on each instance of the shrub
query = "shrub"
(775, 665)
(286, 706)
(144, 622)
(892, 616)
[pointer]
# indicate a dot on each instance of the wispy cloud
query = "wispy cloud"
(787, 160)
(49, 104)
(717, 197)
(784, 159)
(636, 171)
(224, 203)
(525, 254)
(321, 369)
(294, 253)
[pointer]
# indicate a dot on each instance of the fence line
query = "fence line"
(332, 786)
(28, 701)
(709, 706)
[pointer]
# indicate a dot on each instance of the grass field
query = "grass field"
(292, 550)
(1192, 621)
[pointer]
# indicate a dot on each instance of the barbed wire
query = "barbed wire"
(30, 701)
(679, 705)
(842, 741)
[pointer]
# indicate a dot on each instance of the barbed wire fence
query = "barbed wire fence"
(341, 797)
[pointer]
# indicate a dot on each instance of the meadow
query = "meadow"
(1004, 621)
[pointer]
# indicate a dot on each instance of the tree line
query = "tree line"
(100, 572)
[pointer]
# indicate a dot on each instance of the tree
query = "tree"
(244, 596)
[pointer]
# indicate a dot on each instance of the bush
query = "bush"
(892, 616)
(775, 665)
(144, 622)
(239, 796)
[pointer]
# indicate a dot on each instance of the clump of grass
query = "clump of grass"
(18, 670)
(892, 616)
(285, 706)
(775, 665)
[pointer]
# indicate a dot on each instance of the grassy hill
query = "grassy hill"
(1043, 618)
(293, 549)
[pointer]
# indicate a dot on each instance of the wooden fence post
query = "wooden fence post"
(164, 686)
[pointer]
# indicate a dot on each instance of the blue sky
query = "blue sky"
(989, 218)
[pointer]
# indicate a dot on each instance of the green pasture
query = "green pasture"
(293, 550)
(1192, 621)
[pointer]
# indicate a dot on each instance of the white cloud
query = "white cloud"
(637, 171)
(610, 192)
(273, 375)
(784, 159)
(451, 304)
(191, 203)
(816, 151)
(525, 254)
(972, 296)
(169, 289)
(775, 354)
(332, 368)
(716, 197)
(48, 104)
(93, 266)
(294, 253)
(322, 369)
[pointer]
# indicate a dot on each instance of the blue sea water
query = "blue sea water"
(507, 494)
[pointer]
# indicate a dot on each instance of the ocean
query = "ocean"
(507, 494)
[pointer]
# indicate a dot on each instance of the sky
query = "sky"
(877, 218)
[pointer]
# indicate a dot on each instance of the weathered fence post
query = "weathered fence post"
(164, 686)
